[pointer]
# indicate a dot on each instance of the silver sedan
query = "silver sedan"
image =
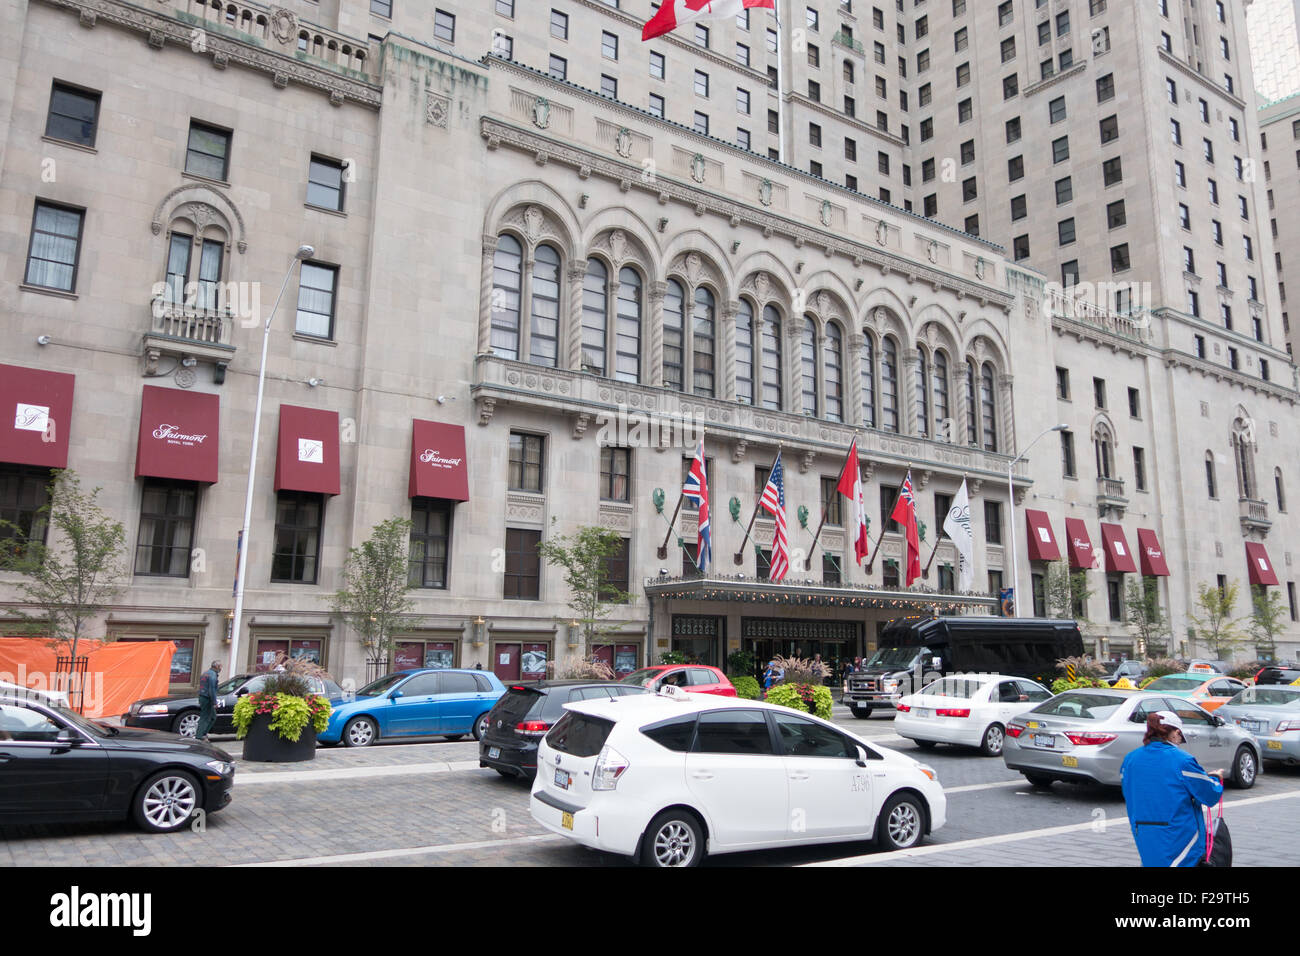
(1083, 735)
(1272, 714)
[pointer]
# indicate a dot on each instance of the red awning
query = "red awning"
(1042, 543)
(35, 413)
(179, 435)
(1118, 557)
(439, 468)
(307, 456)
(1261, 568)
(1078, 543)
(1150, 554)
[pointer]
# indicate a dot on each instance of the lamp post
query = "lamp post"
(1011, 515)
(304, 252)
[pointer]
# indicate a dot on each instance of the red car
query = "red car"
(695, 678)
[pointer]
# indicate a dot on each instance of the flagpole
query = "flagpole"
(884, 520)
(663, 548)
(780, 85)
(739, 556)
(825, 506)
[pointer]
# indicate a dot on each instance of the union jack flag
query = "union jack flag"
(697, 490)
(773, 502)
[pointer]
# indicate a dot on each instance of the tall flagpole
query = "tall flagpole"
(812, 549)
(739, 556)
(780, 84)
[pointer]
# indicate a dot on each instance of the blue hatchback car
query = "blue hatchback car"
(419, 703)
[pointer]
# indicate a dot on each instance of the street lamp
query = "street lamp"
(1011, 514)
(304, 252)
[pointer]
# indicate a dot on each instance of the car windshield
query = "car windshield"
(1176, 682)
(963, 687)
(640, 677)
(1268, 697)
(68, 716)
(892, 657)
(230, 685)
(384, 684)
(1080, 705)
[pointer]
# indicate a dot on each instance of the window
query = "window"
(1105, 87)
(167, 512)
(444, 26)
(1189, 260)
(1008, 49)
(1065, 231)
(325, 184)
(814, 55)
(1112, 171)
(559, 68)
(1056, 109)
(1243, 208)
(382, 8)
(24, 492)
(1062, 383)
(1064, 191)
(814, 91)
(1221, 270)
(1176, 132)
(878, 50)
(53, 252)
(298, 523)
(657, 65)
(967, 152)
(1115, 215)
(430, 537)
(1099, 392)
(1044, 32)
(968, 189)
(1278, 489)
(742, 101)
(882, 163)
(922, 27)
(701, 123)
(701, 35)
(882, 87)
(1061, 149)
(506, 8)
(850, 149)
(1139, 469)
(927, 129)
(972, 225)
(73, 115)
(1006, 13)
(608, 45)
(560, 29)
(523, 565)
(993, 522)
(1010, 86)
(923, 61)
(1109, 129)
(1119, 260)
(1013, 130)
(701, 83)
(812, 20)
(1114, 597)
(1233, 360)
(930, 206)
(526, 461)
(742, 57)
(656, 107)
(1067, 454)
(1200, 346)
(608, 86)
(963, 74)
(815, 169)
(1020, 247)
(964, 111)
(1180, 174)
(1248, 248)
(1216, 232)
(317, 285)
(208, 152)
(742, 138)
(1208, 149)
(615, 472)
(814, 135)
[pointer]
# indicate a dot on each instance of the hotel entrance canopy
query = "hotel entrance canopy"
(749, 591)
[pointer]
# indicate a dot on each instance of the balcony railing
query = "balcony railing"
(1254, 515)
(1080, 309)
(180, 321)
(844, 40)
(1110, 496)
(275, 28)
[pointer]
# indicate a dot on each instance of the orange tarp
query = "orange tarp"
(118, 673)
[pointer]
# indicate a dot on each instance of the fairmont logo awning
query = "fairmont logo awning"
(1151, 555)
(439, 467)
(179, 435)
(35, 413)
(1078, 544)
(1119, 559)
(1260, 568)
(1042, 543)
(307, 455)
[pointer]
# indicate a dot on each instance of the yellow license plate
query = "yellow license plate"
(1031, 724)
(1274, 745)
(1069, 761)
(566, 821)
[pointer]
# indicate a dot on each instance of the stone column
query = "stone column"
(853, 380)
(725, 381)
(654, 334)
(1008, 443)
(485, 294)
(907, 391)
(794, 365)
(571, 337)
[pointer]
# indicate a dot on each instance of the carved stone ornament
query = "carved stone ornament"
(202, 214)
(283, 25)
(618, 245)
(761, 285)
(541, 112)
(826, 212)
(533, 220)
(932, 251)
(156, 39)
(882, 232)
(185, 377)
(979, 267)
(436, 110)
(823, 303)
(87, 19)
(694, 268)
(765, 192)
(623, 142)
(698, 167)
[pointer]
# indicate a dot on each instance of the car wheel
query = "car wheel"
(674, 838)
(480, 726)
(360, 732)
(860, 711)
(186, 723)
(1038, 781)
(902, 822)
(994, 737)
(926, 744)
(453, 736)
(166, 801)
(1245, 769)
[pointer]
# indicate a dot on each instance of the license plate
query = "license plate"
(562, 779)
(566, 821)
(1069, 761)
(922, 712)
(1254, 726)
(494, 752)
(1274, 745)
(1046, 741)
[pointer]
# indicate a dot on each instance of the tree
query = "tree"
(1266, 621)
(1064, 590)
(1146, 617)
(585, 557)
(73, 580)
(375, 596)
(1213, 620)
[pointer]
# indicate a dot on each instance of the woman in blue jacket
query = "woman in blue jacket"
(1165, 788)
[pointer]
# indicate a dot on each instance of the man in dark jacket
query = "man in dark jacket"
(208, 699)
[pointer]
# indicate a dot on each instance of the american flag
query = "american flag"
(773, 502)
(697, 490)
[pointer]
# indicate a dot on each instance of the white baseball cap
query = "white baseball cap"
(1169, 719)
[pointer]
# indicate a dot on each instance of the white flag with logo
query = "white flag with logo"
(957, 526)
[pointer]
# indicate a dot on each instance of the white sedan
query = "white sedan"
(673, 776)
(971, 710)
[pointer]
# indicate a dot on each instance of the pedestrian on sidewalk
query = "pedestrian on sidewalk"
(208, 699)
(1164, 789)
(772, 675)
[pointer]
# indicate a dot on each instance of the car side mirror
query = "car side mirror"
(862, 756)
(242, 691)
(394, 695)
(67, 737)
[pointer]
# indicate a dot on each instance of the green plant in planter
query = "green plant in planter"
(1061, 684)
(806, 698)
(290, 714)
(746, 688)
(672, 657)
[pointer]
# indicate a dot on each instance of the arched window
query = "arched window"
(942, 414)
(627, 330)
(1245, 465)
(889, 385)
(1104, 446)
(972, 413)
(772, 359)
(834, 373)
(808, 364)
(745, 353)
(922, 394)
(988, 408)
(544, 338)
(674, 322)
(868, 382)
(1281, 493)
(703, 336)
(1211, 485)
(507, 278)
(595, 316)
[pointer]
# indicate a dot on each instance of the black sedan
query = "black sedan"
(180, 714)
(58, 767)
(526, 712)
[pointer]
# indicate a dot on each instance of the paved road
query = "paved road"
(419, 804)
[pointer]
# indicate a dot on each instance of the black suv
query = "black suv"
(526, 712)
(1279, 672)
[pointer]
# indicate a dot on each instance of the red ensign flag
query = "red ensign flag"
(673, 13)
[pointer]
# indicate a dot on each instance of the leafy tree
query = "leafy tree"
(73, 580)
(1145, 616)
(1266, 621)
(585, 557)
(1064, 590)
(375, 596)
(1212, 618)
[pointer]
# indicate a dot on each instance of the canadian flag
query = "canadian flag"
(850, 486)
(673, 13)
